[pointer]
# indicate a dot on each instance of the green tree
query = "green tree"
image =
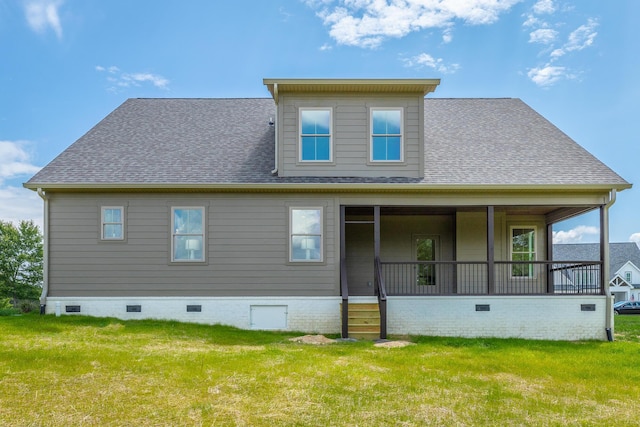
(20, 260)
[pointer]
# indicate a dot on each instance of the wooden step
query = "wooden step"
(364, 307)
(371, 336)
(364, 321)
(357, 320)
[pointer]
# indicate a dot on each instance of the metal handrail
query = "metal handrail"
(381, 291)
(344, 290)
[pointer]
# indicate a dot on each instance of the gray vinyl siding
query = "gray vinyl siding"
(471, 239)
(351, 136)
(246, 248)
(471, 236)
(397, 235)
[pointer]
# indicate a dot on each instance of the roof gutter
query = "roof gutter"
(45, 252)
(309, 187)
(604, 233)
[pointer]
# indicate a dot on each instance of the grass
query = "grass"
(76, 370)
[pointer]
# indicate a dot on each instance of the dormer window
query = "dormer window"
(315, 135)
(386, 135)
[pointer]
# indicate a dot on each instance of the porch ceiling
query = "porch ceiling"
(553, 213)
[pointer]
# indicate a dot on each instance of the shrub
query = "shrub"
(27, 306)
(6, 308)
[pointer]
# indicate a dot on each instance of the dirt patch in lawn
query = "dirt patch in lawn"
(313, 339)
(393, 344)
(321, 340)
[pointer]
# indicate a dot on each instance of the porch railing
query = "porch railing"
(381, 292)
(344, 291)
(510, 278)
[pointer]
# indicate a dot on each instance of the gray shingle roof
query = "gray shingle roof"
(502, 141)
(229, 141)
(619, 253)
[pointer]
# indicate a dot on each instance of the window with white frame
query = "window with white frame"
(187, 234)
(305, 234)
(112, 223)
(386, 135)
(523, 250)
(627, 276)
(315, 135)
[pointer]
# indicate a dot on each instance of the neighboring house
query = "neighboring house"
(336, 206)
(624, 274)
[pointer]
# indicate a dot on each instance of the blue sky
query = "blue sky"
(65, 64)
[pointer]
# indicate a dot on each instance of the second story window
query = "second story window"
(386, 135)
(315, 135)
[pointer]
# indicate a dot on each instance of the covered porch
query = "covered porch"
(446, 252)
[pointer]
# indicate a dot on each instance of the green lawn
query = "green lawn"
(86, 371)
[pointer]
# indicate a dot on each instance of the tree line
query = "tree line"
(21, 261)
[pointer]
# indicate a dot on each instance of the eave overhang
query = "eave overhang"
(326, 188)
(416, 86)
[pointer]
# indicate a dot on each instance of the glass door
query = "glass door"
(426, 249)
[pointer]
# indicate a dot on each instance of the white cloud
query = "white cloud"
(576, 235)
(367, 23)
(635, 237)
(543, 35)
(326, 47)
(579, 39)
(546, 33)
(19, 204)
(15, 160)
(119, 79)
(426, 60)
(43, 14)
(548, 75)
(284, 14)
(544, 6)
(447, 35)
(531, 21)
(155, 79)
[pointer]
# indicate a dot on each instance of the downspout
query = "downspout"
(605, 267)
(45, 252)
(275, 124)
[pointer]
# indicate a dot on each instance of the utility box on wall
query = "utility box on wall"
(269, 317)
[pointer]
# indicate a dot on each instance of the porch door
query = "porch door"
(358, 248)
(426, 248)
(360, 256)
